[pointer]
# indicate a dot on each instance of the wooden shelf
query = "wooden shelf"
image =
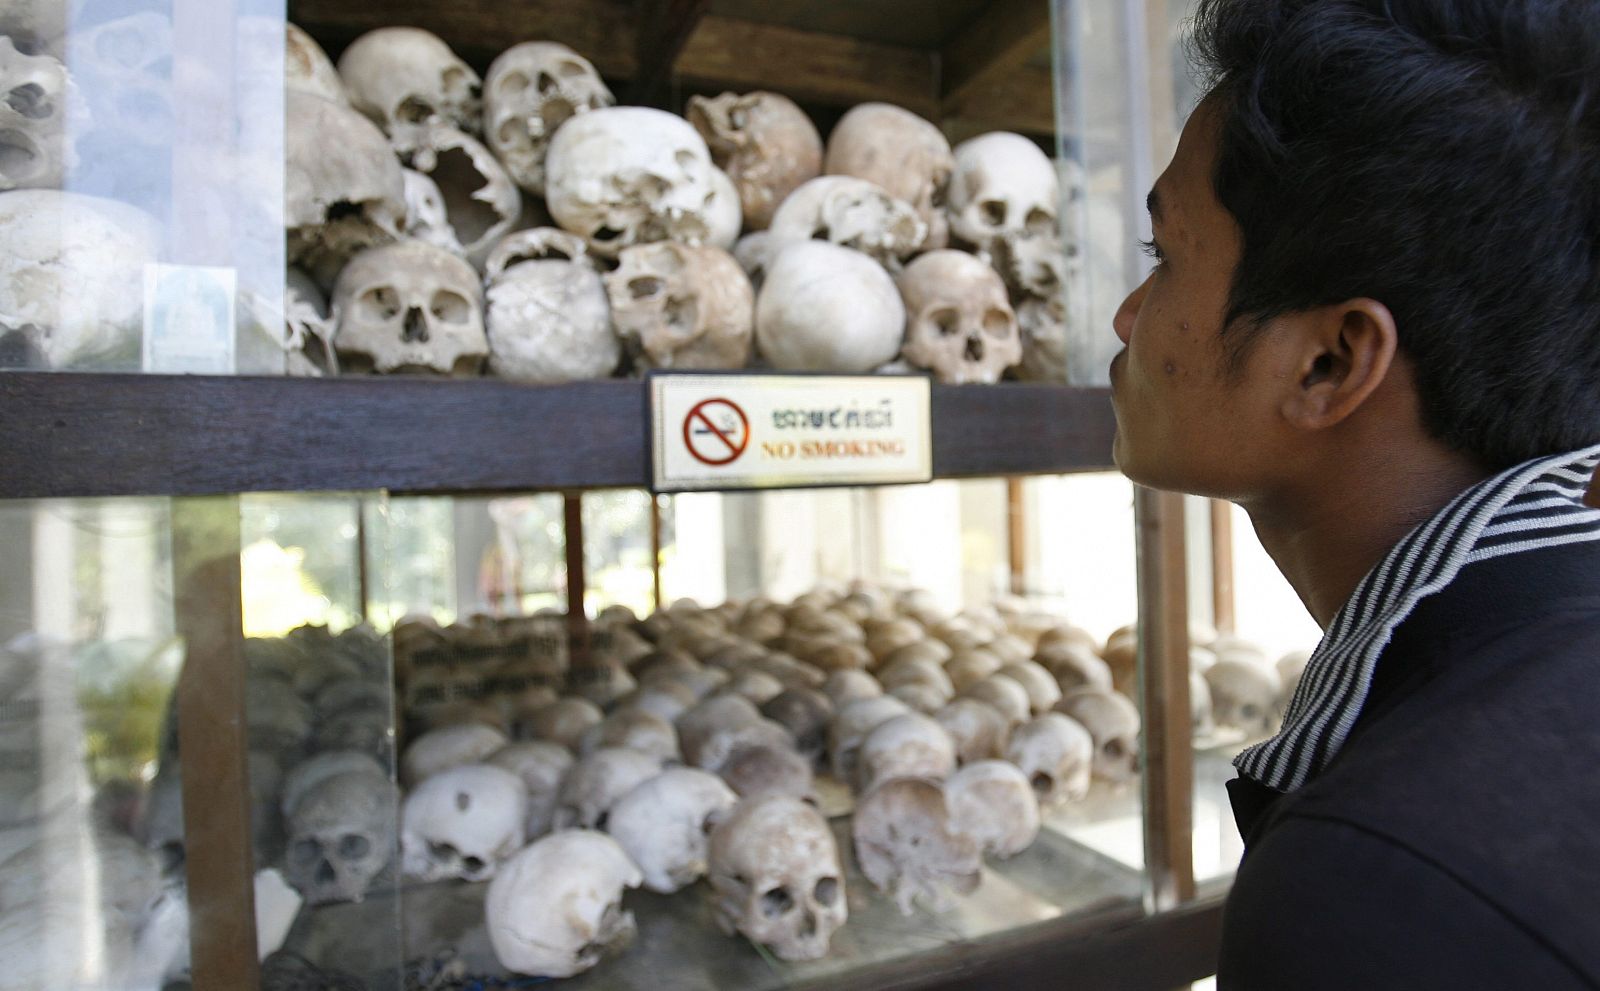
(87, 435)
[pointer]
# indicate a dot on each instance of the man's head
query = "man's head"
(1383, 208)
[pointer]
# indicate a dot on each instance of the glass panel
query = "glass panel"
(143, 153)
(120, 646)
(783, 606)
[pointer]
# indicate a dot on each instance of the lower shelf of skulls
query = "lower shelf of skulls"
(754, 795)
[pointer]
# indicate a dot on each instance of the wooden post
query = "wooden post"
(577, 581)
(363, 581)
(655, 551)
(1017, 534)
(664, 27)
(1164, 691)
(213, 743)
(1222, 601)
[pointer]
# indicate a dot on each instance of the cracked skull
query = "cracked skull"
(852, 213)
(766, 144)
(39, 115)
(621, 176)
(406, 78)
(908, 847)
(547, 316)
(1056, 754)
(462, 823)
(907, 156)
(959, 323)
(677, 306)
(410, 307)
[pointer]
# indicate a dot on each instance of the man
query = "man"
(1374, 323)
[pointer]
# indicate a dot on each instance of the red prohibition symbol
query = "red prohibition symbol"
(716, 431)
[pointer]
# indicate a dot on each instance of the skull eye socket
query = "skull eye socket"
(777, 902)
(414, 110)
(997, 323)
(572, 70)
(948, 321)
(354, 846)
(381, 303)
(30, 101)
(473, 864)
(306, 852)
(1039, 221)
(684, 157)
(827, 891)
(645, 287)
(1043, 784)
(993, 212)
(450, 307)
(514, 82)
(1113, 749)
(1249, 711)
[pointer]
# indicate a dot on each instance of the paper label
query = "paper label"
(189, 319)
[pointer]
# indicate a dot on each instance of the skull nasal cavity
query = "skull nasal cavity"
(974, 349)
(416, 329)
(30, 101)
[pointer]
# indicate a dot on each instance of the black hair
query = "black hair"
(1443, 158)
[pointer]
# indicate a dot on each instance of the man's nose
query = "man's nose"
(1122, 323)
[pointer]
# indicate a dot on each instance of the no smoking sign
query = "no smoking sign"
(716, 432)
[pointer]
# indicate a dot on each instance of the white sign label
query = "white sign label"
(189, 319)
(789, 431)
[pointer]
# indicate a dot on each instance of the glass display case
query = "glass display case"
(326, 667)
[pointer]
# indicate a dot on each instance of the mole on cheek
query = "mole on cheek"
(1169, 367)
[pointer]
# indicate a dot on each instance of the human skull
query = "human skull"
(532, 89)
(917, 672)
(908, 846)
(849, 685)
(851, 725)
(683, 307)
(977, 729)
(714, 714)
(717, 746)
(548, 317)
(481, 203)
(314, 770)
(724, 221)
(909, 746)
(1113, 722)
(756, 685)
(664, 825)
(307, 334)
(564, 721)
(542, 767)
(1056, 754)
(72, 280)
(307, 68)
(766, 144)
(603, 682)
(824, 308)
(959, 323)
(447, 747)
(769, 769)
(1043, 691)
(621, 176)
(410, 307)
(634, 729)
(970, 667)
(597, 781)
(406, 79)
(39, 117)
(341, 835)
(852, 213)
(462, 823)
(929, 650)
(906, 155)
(993, 802)
(426, 216)
(1073, 665)
(343, 188)
(1034, 266)
(1002, 184)
(753, 252)
(1244, 696)
(1008, 698)
(775, 872)
(278, 720)
(556, 908)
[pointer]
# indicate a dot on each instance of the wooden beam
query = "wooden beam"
(664, 27)
(1017, 534)
(655, 551)
(212, 743)
(1222, 602)
(1023, 100)
(808, 66)
(577, 581)
(1164, 690)
(999, 41)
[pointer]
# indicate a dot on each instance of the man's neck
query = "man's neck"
(1325, 539)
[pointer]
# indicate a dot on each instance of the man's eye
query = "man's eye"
(1153, 250)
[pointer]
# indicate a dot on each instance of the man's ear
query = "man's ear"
(1344, 355)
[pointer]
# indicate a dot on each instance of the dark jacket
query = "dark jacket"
(1454, 842)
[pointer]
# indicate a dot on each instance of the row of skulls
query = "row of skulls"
(846, 244)
(690, 748)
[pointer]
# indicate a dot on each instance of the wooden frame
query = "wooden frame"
(116, 435)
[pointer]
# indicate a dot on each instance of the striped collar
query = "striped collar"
(1530, 507)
